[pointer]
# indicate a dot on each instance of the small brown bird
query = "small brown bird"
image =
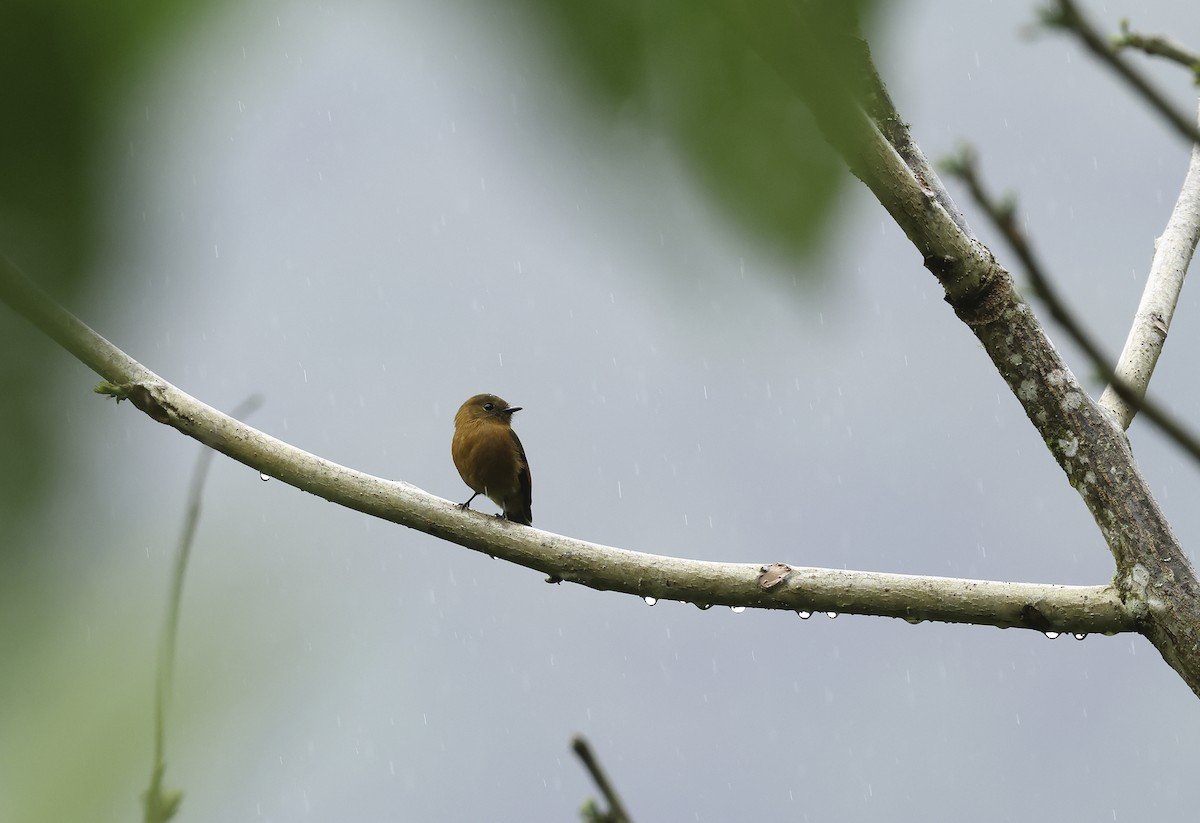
(489, 456)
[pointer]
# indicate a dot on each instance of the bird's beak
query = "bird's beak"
(512, 410)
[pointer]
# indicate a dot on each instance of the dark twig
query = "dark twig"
(1158, 46)
(1002, 213)
(1068, 17)
(616, 810)
(160, 805)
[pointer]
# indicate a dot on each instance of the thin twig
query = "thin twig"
(1002, 216)
(1172, 256)
(161, 805)
(616, 809)
(1158, 46)
(1068, 17)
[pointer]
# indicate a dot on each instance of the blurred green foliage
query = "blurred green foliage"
(63, 66)
(699, 74)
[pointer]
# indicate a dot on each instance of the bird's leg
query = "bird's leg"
(467, 505)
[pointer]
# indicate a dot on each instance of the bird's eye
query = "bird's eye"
(489, 406)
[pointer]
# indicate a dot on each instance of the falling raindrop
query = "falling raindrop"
(737, 609)
(650, 601)
(804, 614)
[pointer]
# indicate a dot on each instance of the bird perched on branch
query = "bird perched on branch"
(489, 456)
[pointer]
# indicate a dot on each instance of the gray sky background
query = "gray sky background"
(370, 211)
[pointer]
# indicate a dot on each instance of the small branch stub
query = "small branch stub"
(773, 575)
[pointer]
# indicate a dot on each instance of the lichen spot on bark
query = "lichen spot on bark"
(1069, 447)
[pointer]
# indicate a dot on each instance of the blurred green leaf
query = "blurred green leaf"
(695, 73)
(63, 66)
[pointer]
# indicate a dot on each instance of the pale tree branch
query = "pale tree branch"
(1044, 607)
(1172, 255)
